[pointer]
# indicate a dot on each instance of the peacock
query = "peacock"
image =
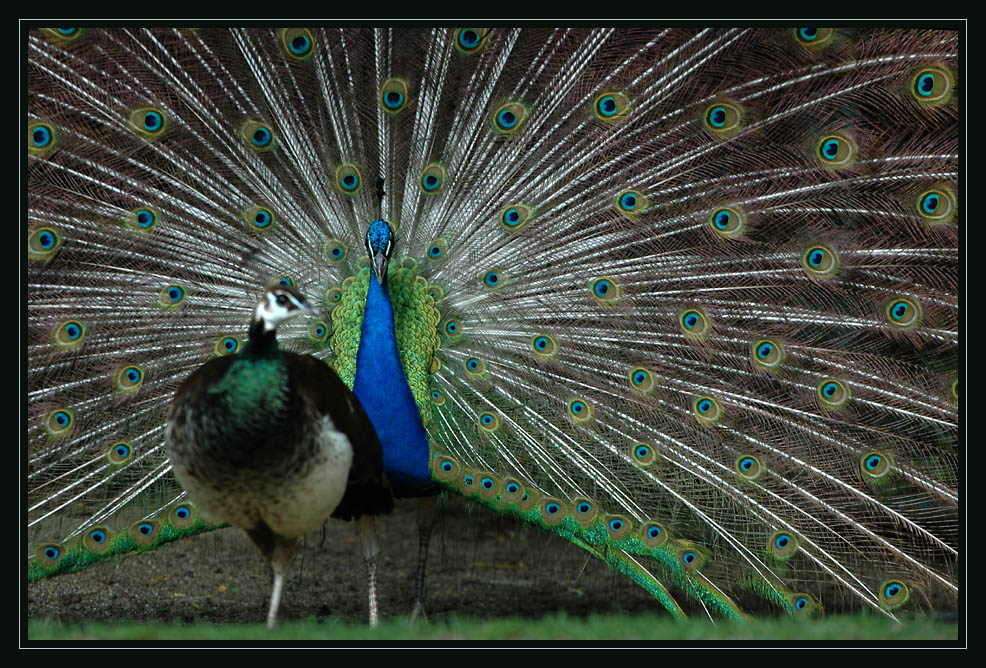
(275, 443)
(686, 297)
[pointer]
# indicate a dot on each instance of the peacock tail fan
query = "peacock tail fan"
(686, 297)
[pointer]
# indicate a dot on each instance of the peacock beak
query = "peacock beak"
(379, 262)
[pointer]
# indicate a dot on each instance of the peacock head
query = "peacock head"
(279, 303)
(380, 244)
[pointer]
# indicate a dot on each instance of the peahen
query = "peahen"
(275, 443)
(685, 297)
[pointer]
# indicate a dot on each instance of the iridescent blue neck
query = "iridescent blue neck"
(382, 389)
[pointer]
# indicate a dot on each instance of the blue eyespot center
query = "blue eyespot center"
(552, 508)
(152, 121)
(145, 218)
(930, 203)
(717, 116)
(926, 84)
(507, 118)
(393, 99)
(261, 137)
(41, 136)
(468, 38)
(300, 44)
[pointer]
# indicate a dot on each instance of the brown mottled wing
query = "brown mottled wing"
(368, 492)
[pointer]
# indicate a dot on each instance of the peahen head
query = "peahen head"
(279, 303)
(380, 244)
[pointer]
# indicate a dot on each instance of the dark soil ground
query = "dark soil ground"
(480, 565)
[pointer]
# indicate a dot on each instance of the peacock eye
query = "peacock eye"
(282, 300)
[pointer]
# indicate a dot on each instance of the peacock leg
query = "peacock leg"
(426, 521)
(371, 554)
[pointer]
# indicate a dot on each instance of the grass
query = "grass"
(635, 630)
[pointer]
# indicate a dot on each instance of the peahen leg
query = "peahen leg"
(426, 521)
(277, 551)
(371, 554)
